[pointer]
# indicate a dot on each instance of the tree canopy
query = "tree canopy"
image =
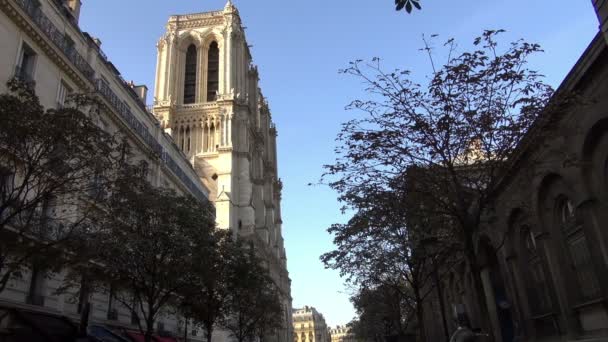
(53, 164)
(431, 154)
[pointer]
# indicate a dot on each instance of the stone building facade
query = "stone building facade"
(544, 258)
(342, 333)
(207, 98)
(42, 42)
(309, 326)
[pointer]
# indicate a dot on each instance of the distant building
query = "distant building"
(207, 97)
(309, 326)
(342, 333)
(211, 135)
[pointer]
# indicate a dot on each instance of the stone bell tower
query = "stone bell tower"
(207, 98)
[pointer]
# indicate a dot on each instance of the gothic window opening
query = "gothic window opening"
(190, 77)
(188, 137)
(571, 227)
(213, 66)
(205, 138)
(212, 138)
(181, 138)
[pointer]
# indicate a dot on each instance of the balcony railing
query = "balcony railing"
(59, 39)
(141, 130)
(66, 45)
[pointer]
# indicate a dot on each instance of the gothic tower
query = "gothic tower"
(207, 98)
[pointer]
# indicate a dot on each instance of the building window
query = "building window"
(188, 138)
(83, 296)
(50, 226)
(62, 94)
(190, 77)
(25, 67)
(213, 66)
(35, 294)
(181, 138)
(536, 280)
(112, 311)
(212, 137)
(7, 184)
(571, 227)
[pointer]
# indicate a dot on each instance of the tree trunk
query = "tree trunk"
(420, 316)
(149, 328)
(478, 289)
(186, 329)
(209, 333)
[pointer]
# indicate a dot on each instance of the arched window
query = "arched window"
(213, 66)
(188, 139)
(571, 227)
(181, 138)
(212, 138)
(536, 279)
(206, 138)
(190, 76)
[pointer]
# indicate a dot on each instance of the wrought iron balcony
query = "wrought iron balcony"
(59, 39)
(142, 131)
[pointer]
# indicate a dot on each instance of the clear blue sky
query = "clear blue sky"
(299, 46)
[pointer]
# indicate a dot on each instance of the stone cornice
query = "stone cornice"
(199, 23)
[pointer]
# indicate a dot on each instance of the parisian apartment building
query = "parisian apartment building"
(208, 132)
(309, 326)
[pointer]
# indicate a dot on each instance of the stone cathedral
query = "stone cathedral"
(207, 98)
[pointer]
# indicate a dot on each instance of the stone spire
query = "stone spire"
(230, 8)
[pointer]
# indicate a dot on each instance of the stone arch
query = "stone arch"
(595, 160)
(186, 38)
(497, 296)
(566, 216)
(210, 36)
(184, 41)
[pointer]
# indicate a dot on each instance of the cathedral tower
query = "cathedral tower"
(207, 98)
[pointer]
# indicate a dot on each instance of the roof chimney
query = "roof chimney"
(141, 91)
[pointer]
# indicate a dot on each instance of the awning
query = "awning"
(137, 337)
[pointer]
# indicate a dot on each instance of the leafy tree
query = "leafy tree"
(447, 140)
(53, 167)
(383, 312)
(205, 299)
(254, 304)
(145, 243)
(382, 247)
